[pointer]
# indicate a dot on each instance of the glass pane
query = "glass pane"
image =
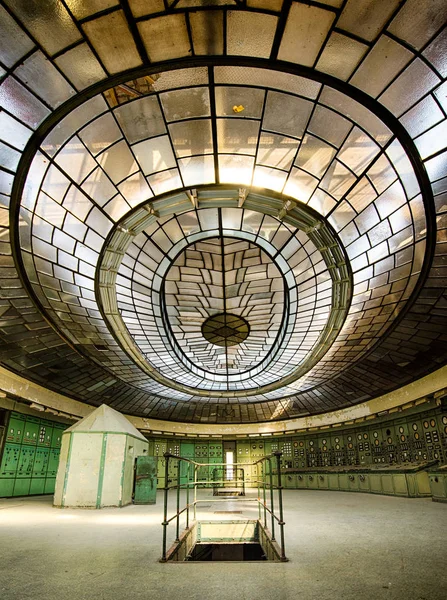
(329, 126)
(337, 180)
(239, 102)
(250, 34)
(421, 117)
(186, 104)
(140, 119)
(340, 45)
(300, 185)
(258, 77)
(207, 32)
(14, 43)
(48, 22)
(77, 203)
(358, 151)
(192, 137)
(276, 150)
(197, 170)
(237, 136)
(118, 162)
(154, 154)
(99, 187)
(111, 38)
(286, 114)
(100, 134)
(13, 132)
(81, 8)
(305, 32)
(75, 160)
(235, 169)
(417, 22)
(269, 178)
(159, 38)
(385, 60)
(165, 181)
(146, 7)
(80, 66)
(21, 103)
(314, 155)
(416, 81)
(365, 18)
(135, 189)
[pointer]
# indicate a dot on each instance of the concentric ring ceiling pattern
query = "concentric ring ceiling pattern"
(310, 187)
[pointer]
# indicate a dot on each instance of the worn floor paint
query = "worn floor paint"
(341, 546)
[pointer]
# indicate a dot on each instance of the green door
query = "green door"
(145, 480)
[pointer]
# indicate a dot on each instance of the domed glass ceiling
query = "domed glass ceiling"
(275, 184)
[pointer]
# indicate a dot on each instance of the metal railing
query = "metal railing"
(268, 482)
(228, 476)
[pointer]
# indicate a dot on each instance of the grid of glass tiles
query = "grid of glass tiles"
(51, 51)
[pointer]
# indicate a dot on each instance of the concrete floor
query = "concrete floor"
(341, 546)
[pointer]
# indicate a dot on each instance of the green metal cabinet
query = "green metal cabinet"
(21, 487)
(31, 433)
(26, 462)
(186, 451)
(323, 481)
(53, 461)
(45, 434)
(6, 487)
(56, 436)
(15, 429)
(145, 480)
(41, 459)
(37, 485)
(10, 460)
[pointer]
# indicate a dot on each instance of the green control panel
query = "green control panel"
(383, 442)
(30, 455)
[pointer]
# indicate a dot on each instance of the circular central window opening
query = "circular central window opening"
(225, 329)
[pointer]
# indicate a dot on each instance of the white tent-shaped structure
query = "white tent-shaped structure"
(97, 460)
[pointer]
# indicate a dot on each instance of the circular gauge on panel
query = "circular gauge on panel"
(375, 434)
(390, 441)
(444, 420)
(337, 447)
(350, 446)
(402, 438)
(324, 448)
(416, 436)
(295, 444)
(415, 426)
(301, 444)
(433, 423)
(376, 442)
(359, 436)
(337, 440)
(311, 443)
(401, 429)
(426, 424)
(325, 442)
(436, 455)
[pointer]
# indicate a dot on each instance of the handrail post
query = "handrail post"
(165, 508)
(263, 494)
(177, 530)
(272, 499)
(281, 515)
(195, 492)
(259, 492)
(187, 496)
